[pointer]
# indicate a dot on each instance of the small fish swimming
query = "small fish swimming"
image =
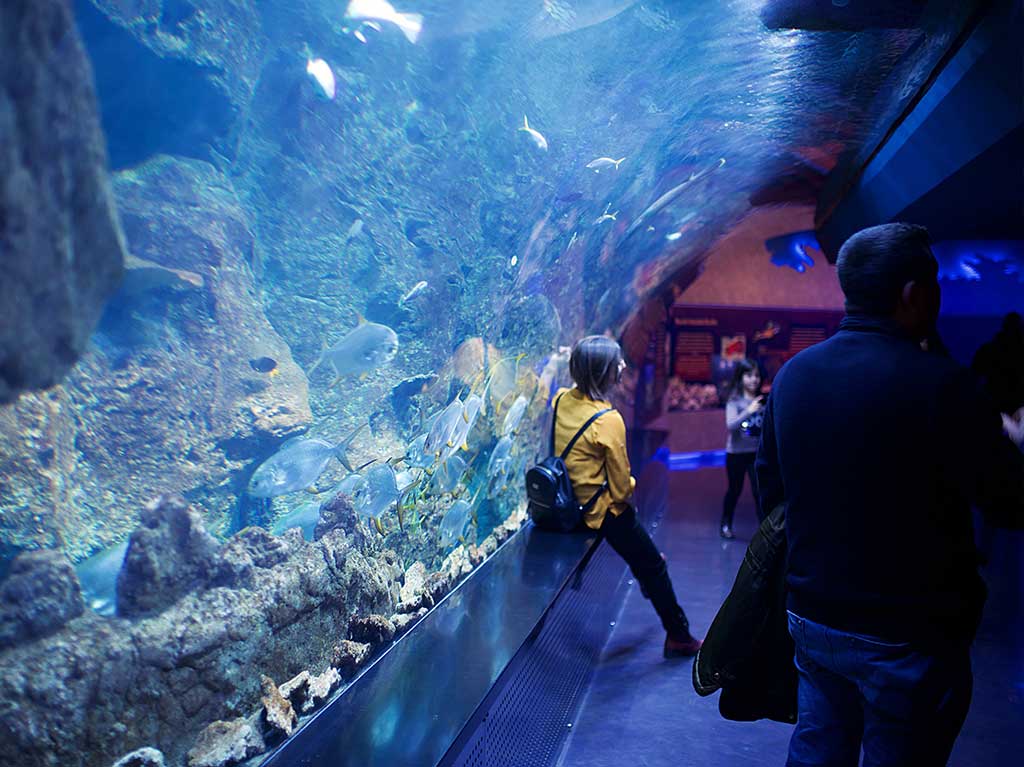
(321, 72)
(669, 196)
(448, 474)
(416, 455)
(514, 415)
(366, 347)
(304, 517)
(602, 163)
(440, 434)
(500, 457)
(358, 33)
(454, 521)
(539, 141)
(98, 576)
(404, 479)
(470, 410)
(264, 365)
(606, 216)
(348, 485)
(297, 465)
(414, 291)
(354, 231)
(377, 492)
(411, 24)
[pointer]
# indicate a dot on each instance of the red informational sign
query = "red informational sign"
(708, 341)
(734, 348)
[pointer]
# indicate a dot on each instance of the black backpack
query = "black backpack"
(552, 502)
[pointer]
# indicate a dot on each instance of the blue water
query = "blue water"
(288, 177)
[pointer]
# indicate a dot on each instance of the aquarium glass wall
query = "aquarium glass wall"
(356, 235)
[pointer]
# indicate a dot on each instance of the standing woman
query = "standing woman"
(596, 365)
(742, 422)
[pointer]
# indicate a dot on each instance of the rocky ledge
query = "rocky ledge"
(191, 676)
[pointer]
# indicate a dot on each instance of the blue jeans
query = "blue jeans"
(905, 707)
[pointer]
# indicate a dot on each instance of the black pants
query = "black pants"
(736, 465)
(631, 542)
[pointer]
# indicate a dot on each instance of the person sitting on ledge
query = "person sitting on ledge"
(596, 365)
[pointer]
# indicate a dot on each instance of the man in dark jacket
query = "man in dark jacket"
(879, 448)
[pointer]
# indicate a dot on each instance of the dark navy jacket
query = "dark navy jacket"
(879, 449)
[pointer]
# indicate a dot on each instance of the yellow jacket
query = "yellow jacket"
(600, 453)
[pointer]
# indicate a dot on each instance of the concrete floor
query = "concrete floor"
(641, 710)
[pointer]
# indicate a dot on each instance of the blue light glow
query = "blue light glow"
(793, 250)
(981, 278)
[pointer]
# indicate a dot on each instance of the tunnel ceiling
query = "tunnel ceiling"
(716, 108)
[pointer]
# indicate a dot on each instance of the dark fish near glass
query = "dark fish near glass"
(264, 365)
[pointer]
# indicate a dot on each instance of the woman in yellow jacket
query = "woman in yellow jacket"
(596, 365)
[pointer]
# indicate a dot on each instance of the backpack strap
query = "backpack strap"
(579, 434)
(554, 419)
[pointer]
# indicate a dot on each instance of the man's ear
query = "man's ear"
(908, 294)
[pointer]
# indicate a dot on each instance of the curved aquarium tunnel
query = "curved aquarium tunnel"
(284, 287)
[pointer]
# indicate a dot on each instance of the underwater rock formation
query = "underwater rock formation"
(168, 556)
(223, 744)
(165, 399)
(143, 757)
(123, 684)
(61, 244)
(208, 49)
(278, 715)
(39, 596)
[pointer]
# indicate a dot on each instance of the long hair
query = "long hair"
(594, 365)
(743, 367)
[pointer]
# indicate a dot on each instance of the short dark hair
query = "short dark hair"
(875, 264)
(594, 365)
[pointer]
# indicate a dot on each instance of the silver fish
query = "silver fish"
(355, 230)
(377, 492)
(297, 465)
(470, 410)
(414, 291)
(500, 457)
(514, 415)
(348, 485)
(98, 576)
(321, 72)
(410, 23)
(440, 434)
(366, 347)
(303, 517)
(606, 216)
(539, 141)
(447, 476)
(416, 454)
(669, 196)
(453, 523)
(604, 162)
(404, 480)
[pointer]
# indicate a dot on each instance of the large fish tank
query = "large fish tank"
(356, 240)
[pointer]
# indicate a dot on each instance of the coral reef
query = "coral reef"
(61, 244)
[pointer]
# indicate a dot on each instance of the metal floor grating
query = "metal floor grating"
(527, 716)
